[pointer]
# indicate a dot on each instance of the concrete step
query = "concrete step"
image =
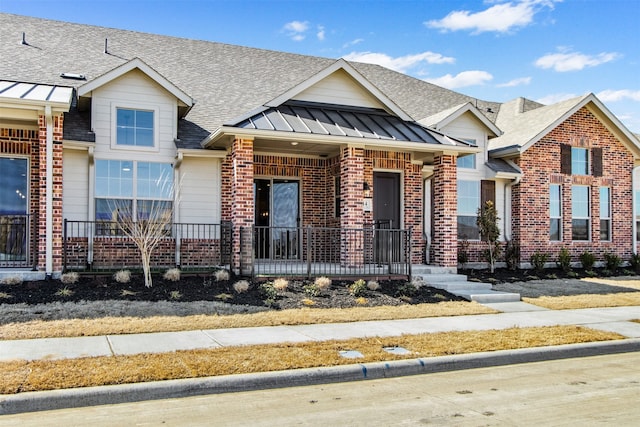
(441, 278)
(486, 296)
(456, 286)
(418, 269)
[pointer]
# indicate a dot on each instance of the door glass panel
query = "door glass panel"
(285, 219)
(13, 209)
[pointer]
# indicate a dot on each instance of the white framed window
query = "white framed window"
(579, 161)
(132, 188)
(555, 212)
(580, 212)
(468, 161)
(134, 127)
(468, 204)
(605, 213)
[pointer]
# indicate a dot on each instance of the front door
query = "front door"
(14, 223)
(277, 218)
(386, 216)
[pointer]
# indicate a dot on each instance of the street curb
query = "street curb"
(106, 395)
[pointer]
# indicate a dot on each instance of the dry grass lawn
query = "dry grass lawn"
(22, 376)
(136, 325)
(586, 301)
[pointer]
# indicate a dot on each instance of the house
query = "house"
(268, 159)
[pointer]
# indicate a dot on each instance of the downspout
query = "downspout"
(508, 205)
(176, 207)
(49, 194)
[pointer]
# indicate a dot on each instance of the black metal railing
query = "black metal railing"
(14, 241)
(323, 251)
(103, 245)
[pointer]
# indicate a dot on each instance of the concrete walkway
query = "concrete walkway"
(517, 314)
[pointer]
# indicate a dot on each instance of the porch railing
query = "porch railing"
(101, 245)
(320, 251)
(14, 241)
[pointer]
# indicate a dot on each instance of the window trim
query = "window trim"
(559, 216)
(606, 218)
(137, 107)
(587, 218)
(587, 162)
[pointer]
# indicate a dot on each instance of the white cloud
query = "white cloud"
(516, 82)
(401, 63)
(352, 43)
(320, 34)
(574, 61)
(296, 30)
(555, 97)
(500, 18)
(619, 95)
(463, 79)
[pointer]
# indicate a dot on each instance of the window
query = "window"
(579, 161)
(132, 189)
(555, 212)
(580, 212)
(605, 213)
(468, 204)
(134, 127)
(468, 161)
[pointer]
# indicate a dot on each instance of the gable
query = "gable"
(339, 88)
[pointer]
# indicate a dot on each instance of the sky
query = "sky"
(545, 50)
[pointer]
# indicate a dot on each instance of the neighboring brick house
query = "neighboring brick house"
(283, 159)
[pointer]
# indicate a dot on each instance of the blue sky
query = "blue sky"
(546, 50)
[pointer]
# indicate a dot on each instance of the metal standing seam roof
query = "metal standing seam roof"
(337, 120)
(35, 92)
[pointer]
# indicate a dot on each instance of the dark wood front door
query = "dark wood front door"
(386, 216)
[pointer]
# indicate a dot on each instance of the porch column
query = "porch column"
(413, 210)
(242, 209)
(445, 211)
(50, 203)
(352, 205)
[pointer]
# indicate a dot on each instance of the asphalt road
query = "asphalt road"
(603, 390)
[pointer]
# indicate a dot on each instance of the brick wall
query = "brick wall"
(541, 166)
(445, 206)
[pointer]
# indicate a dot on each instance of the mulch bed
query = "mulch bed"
(205, 288)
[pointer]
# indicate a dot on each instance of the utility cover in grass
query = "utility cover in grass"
(396, 350)
(351, 354)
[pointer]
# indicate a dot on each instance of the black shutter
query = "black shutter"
(596, 161)
(565, 159)
(487, 192)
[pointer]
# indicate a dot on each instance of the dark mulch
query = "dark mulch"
(503, 275)
(205, 288)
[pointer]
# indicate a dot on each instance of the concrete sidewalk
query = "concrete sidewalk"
(516, 314)
(512, 315)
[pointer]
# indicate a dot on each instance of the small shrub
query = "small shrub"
(308, 302)
(564, 260)
(612, 262)
(172, 275)
(4, 295)
(122, 276)
(358, 288)
(590, 273)
(323, 283)
(269, 293)
(440, 297)
(634, 262)
(241, 286)
(628, 272)
(606, 272)
(463, 252)
(221, 275)
(224, 297)
(11, 280)
(207, 281)
(417, 282)
(373, 285)
(312, 290)
(64, 292)
(407, 289)
(361, 301)
(572, 275)
(552, 276)
(511, 255)
(175, 295)
(70, 278)
(587, 259)
(128, 293)
(281, 284)
(538, 260)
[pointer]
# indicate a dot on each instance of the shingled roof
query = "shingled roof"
(226, 81)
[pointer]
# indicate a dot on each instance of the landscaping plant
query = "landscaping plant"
(538, 260)
(587, 259)
(489, 232)
(564, 260)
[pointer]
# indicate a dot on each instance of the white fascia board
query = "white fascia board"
(87, 88)
(199, 152)
(341, 64)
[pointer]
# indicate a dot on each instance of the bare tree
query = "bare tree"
(147, 225)
(487, 222)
